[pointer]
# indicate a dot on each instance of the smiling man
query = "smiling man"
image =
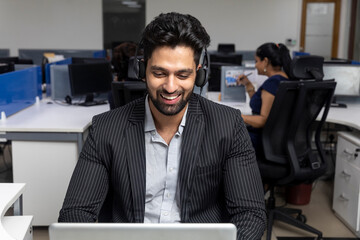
(171, 156)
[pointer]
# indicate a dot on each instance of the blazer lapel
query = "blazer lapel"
(135, 149)
(191, 142)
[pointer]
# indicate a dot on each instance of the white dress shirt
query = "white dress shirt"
(162, 166)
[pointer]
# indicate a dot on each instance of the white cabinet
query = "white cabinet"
(346, 201)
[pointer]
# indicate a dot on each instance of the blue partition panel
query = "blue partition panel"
(47, 73)
(99, 54)
(19, 89)
(296, 53)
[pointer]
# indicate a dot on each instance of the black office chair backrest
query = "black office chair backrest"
(127, 91)
(288, 132)
(226, 47)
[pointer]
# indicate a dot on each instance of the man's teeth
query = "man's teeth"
(169, 97)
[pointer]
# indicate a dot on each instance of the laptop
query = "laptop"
(142, 231)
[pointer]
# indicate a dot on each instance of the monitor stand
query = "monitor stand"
(337, 104)
(89, 101)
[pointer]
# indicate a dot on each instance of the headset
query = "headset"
(202, 73)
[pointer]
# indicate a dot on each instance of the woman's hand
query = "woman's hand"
(242, 80)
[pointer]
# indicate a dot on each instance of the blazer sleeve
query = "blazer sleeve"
(88, 185)
(243, 187)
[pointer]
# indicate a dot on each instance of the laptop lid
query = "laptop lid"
(142, 231)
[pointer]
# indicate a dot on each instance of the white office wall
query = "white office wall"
(247, 23)
(344, 28)
(77, 24)
(56, 24)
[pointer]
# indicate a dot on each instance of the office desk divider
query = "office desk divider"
(48, 75)
(99, 54)
(4, 52)
(19, 89)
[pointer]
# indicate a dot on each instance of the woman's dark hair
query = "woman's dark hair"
(173, 29)
(120, 58)
(278, 55)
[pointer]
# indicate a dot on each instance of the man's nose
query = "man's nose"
(171, 84)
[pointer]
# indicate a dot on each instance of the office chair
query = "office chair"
(127, 91)
(287, 157)
(226, 47)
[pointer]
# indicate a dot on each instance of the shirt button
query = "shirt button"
(168, 195)
(171, 169)
(166, 213)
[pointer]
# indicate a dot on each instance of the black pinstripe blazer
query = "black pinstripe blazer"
(218, 178)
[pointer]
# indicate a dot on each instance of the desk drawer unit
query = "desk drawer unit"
(346, 201)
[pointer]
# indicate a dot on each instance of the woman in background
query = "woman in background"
(272, 60)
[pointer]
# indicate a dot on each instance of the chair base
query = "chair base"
(282, 215)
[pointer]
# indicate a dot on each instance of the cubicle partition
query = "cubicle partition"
(37, 54)
(4, 52)
(19, 89)
(48, 75)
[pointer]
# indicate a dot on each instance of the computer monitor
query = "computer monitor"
(142, 231)
(125, 92)
(87, 60)
(230, 91)
(233, 58)
(86, 79)
(133, 67)
(226, 47)
(6, 67)
(13, 60)
(16, 60)
(215, 75)
(347, 78)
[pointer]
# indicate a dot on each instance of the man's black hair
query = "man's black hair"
(173, 29)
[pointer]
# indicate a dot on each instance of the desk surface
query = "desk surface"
(349, 116)
(44, 117)
(12, 227)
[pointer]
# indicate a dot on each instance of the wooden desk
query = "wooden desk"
(46, 142)
(13, 227)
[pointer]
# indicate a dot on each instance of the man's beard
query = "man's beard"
(169, 110)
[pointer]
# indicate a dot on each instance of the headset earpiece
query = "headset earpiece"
(139, 67)
(142, 69)
(203, 72)
(200, 80)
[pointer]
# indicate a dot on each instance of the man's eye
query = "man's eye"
(158, 74)
(183, 76)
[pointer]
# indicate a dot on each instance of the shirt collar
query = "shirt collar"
(149, 121)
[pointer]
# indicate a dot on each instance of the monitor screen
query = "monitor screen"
(233, 58)
(226, 48)
(6, 67)
(89, 78)
(87, 60)
(215, 75)
(16, 60)
(125, 92)
(347, 78)
(230, 91)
